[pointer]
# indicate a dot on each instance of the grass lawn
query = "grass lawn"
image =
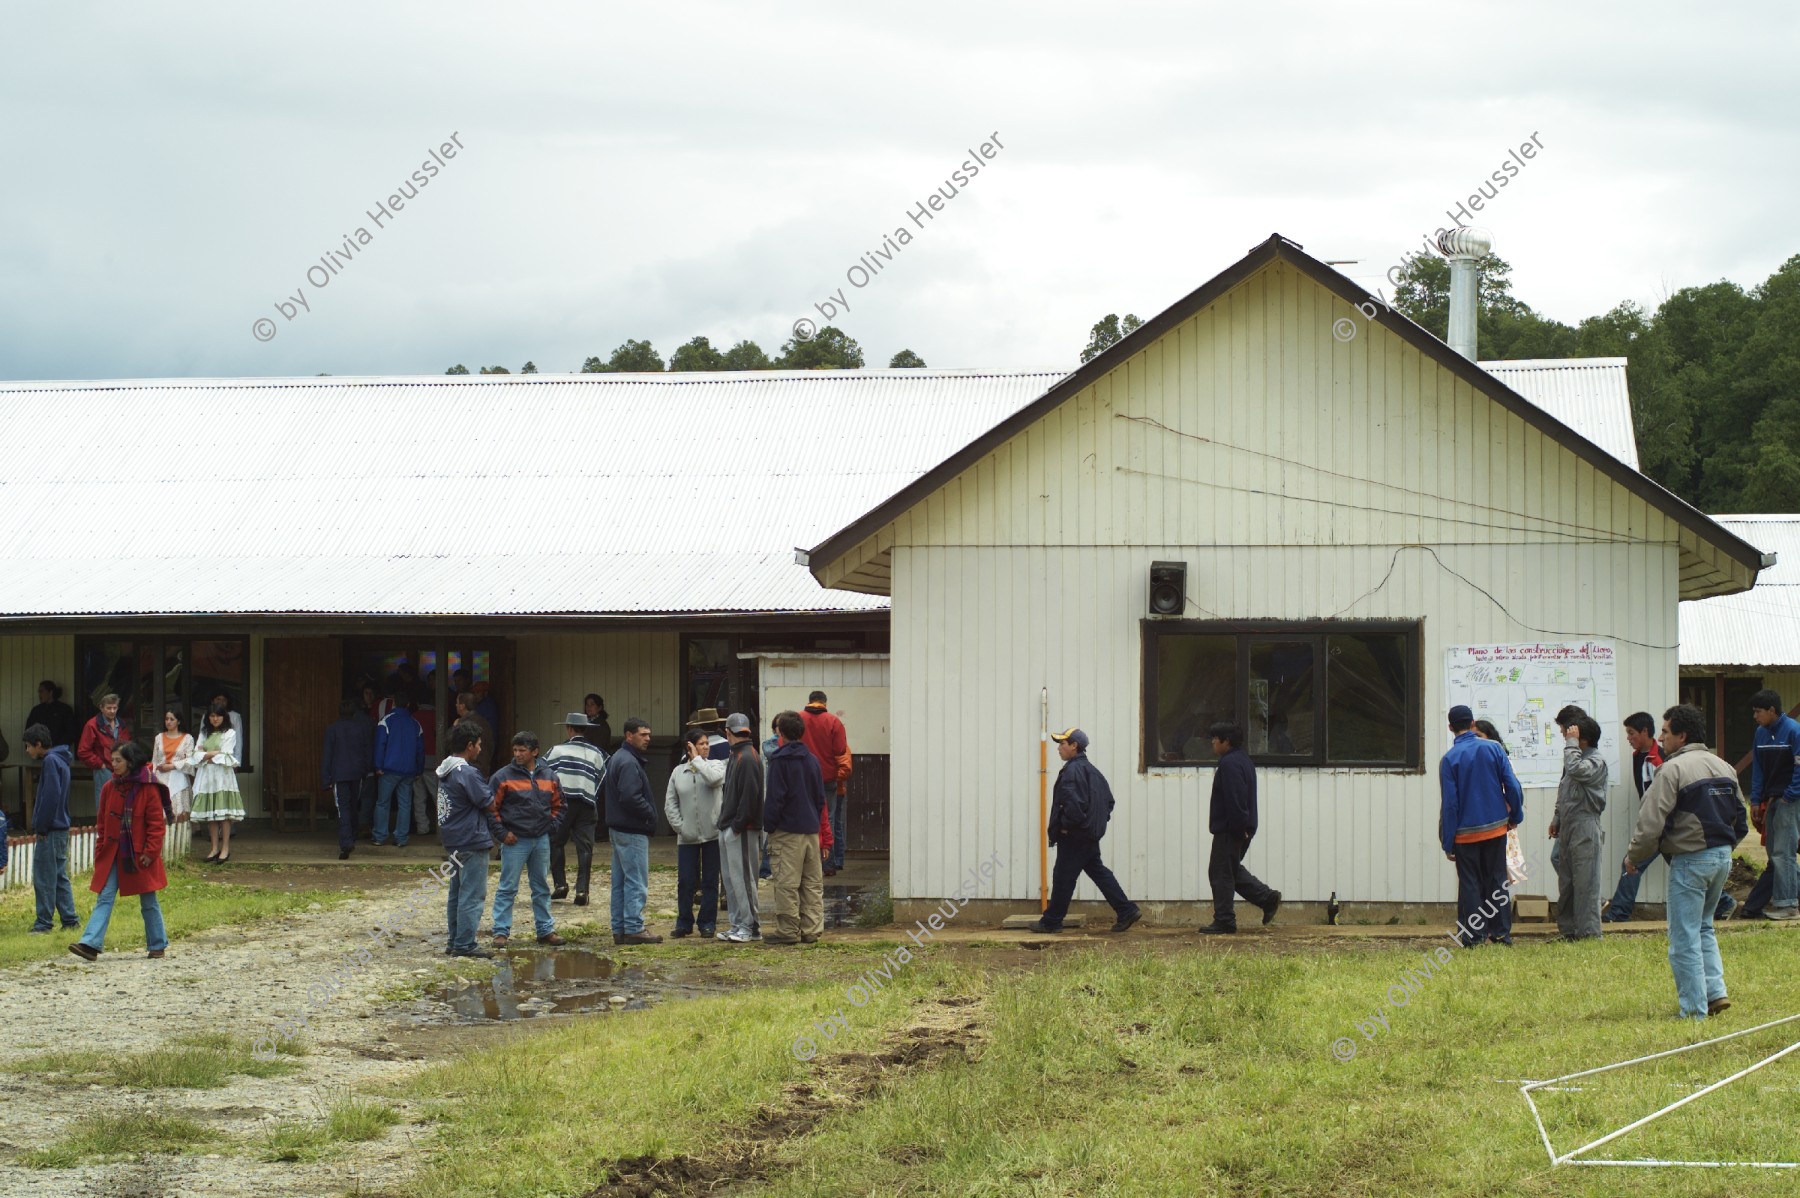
(1131, 1069)
(189, 904)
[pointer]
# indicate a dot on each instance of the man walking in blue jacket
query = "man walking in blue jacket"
(1482, 799)
(349, 757)
(1232, 822)
(399, 759)
(630, 821)
(1079, 813)
(50, 821)
(1775, 798)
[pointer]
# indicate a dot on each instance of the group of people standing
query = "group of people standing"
(726, 801)
(138, 792)
(1691, 812)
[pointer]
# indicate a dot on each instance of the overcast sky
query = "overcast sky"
(172, 170)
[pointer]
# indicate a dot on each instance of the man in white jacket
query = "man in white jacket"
(692, 807)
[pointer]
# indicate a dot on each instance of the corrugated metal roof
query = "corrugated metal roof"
(446, 495)
(1587, 394)
(1760, 627)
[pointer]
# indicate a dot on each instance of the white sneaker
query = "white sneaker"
(745, 937)
(1780, 913)
(721, 935)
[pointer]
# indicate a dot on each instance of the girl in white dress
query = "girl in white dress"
(169, 754)
(217, 803)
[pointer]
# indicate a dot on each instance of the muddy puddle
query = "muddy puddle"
(844, 903)
(530, 985)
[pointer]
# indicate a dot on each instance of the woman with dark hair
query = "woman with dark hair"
(1486, 731)
(595, 708)
(217, 803)
(55, 715)
(128, 850)
(169, 754)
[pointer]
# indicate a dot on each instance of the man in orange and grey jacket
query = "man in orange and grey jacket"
(529, 805)
(826, 740)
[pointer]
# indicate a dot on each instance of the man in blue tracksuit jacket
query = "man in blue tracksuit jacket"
(50, 820)
(1775, 799)
(399, 758)
(1482, 799)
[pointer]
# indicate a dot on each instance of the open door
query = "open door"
(303, 683)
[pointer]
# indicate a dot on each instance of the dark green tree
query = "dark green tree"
(528, 368)
(634, 357)
(906, 359)
(828, 349)
(747, 355)
(495, 370)
(697, 354)
(459, 368)
(1108, 331)
(1505, 327)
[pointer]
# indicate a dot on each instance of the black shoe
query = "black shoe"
(581, 900)
(1041, 926)
(1213, 929)
(561, 892)
(637, 938)
(1125, 921)
(84, 952)
(776, 938)
(1269, 911)
(343, 854)
(481, 953)
(678, 933)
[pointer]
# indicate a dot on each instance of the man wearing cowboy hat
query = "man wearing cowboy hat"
(579, 766)
(709, 719)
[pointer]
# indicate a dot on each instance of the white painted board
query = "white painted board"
(1521, 687)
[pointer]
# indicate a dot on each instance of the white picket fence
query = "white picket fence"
(22, 850)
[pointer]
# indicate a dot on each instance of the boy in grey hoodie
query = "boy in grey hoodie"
(468, 828)
(1580, 801)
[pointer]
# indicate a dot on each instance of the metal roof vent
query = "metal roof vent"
(1463, 246)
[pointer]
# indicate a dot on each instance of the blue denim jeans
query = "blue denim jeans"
(697, 874)
(1624, 899)
(50, 879)
(464, 896)
(1695, 882)
(1784, 834)
(630, 881)
(840, 831)
(94, 935)
(532, 855)
(389, 786)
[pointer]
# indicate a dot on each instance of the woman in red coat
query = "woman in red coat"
(128, 851)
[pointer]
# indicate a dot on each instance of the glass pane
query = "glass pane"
(219, 668)
(1281, 699)
(1366, 698)
(107, 667)
(1196, 685)
(708, 673)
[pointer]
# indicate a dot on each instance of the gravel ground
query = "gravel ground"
(241, 980)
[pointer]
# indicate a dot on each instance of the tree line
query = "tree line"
(1714, 372)
(828, 349)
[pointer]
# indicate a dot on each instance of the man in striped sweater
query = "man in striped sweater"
(579, 766)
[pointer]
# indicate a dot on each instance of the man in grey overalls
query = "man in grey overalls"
(1580, 801)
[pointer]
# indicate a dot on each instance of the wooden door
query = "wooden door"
(303, 683)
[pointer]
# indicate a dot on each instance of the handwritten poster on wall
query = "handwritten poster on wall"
(1520, 688)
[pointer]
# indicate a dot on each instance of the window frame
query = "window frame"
(159, 645)
(1314, 632)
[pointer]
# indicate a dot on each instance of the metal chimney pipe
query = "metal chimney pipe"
(1463, 247)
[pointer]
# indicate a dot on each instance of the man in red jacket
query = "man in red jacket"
(99, 737)
(826, 740)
